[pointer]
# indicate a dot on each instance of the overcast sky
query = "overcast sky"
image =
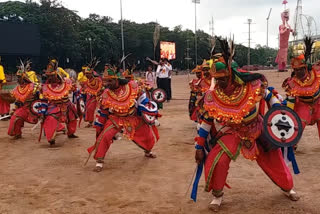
(229, 16)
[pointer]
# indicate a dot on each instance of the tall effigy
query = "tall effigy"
(284, 34)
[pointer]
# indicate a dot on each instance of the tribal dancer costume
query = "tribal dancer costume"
(60, 109)
(124, 108)
(4, 104)
(235, 126)
(92, 88)
(198, 88)
(26, 93)
(303, 88)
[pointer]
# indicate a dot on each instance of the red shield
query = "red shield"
(282, 127)
(159, 95)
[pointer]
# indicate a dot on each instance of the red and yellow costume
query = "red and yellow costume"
(4, 105)
(198, 87)
(232, 125)
(118, 112)
(25, 94)
(92, 89)
(303, 94)
(60, 109)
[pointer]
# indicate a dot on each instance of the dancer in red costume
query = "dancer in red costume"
(234, 122)
(92, 88)
(25, 94)
(60, 109)
(122, 109)
(303, 88)
(198, 87)
(4, 105)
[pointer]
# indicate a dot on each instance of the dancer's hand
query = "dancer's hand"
(199, 156)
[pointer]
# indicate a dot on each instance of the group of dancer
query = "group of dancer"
(228, 105)
(123, 105)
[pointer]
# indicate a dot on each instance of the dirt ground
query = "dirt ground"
(37, 179)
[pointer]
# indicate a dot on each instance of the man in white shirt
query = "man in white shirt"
(164, 72)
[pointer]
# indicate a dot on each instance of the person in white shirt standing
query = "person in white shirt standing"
(164, 72)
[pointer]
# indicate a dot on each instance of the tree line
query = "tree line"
(66, 36)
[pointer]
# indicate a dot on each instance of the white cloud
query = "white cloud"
(229, 16)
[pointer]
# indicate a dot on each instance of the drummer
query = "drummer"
(4, 105)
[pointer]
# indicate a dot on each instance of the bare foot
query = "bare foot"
(292, 195)
(150, 155)
(214, 207)
(17, 137)
(52, 143)
(73, 136)
(215, 204)
(97, 169)
(89, 125)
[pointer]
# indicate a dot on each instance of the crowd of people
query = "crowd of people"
(115, 103)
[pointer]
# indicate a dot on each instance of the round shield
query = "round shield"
(149, 112)
(282, 127)
(36, 107)
(159, 95)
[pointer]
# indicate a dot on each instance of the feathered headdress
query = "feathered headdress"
(112, 72)
(92, 65)
(222, 66)
(128, 73)
(22, 70)
(302, 60)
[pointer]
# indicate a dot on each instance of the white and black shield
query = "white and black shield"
(159, 95)
(282, 127)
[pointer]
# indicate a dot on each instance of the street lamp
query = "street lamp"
(195, 28)
(268, 27)
(89, 40)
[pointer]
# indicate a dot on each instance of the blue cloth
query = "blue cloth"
(292, 158)
(194, 191)
(198, 147)
(98, 124)
(102, 114)
(203, 133)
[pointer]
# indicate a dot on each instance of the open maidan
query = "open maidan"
(105, 117)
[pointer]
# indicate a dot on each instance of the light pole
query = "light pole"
(195, 29)
(122, 37)
(89, 40)
(268, 27)
(249, 23)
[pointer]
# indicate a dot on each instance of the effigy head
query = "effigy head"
(285, 15)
